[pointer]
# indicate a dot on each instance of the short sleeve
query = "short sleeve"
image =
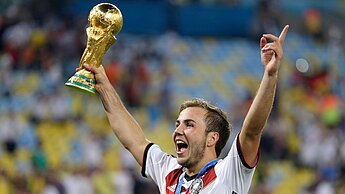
(233, 170)
(157, 164)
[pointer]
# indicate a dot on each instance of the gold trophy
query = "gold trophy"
(104, 22)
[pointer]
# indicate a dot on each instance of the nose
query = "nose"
(179, 130)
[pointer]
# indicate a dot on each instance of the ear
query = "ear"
(212, 139)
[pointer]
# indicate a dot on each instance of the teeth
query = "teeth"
(179, 141)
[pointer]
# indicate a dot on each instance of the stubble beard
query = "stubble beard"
(195, 156)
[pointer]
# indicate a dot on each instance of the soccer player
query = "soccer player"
(202, 131)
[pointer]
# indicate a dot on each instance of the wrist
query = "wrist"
(273, 74)
(104, 88)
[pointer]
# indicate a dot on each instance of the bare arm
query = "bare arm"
(271, 54)
(124, 126)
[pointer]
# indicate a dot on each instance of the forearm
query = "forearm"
(256, 118)
(261, 107)
(259, 111)
(124, 126)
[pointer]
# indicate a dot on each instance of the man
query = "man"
(201, 133)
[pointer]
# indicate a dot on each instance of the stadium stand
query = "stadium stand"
(57, 140)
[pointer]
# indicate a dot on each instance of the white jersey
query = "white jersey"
(231, 175)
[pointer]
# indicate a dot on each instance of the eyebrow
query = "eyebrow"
(185, 121)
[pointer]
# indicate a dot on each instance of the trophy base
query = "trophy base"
(83, 80)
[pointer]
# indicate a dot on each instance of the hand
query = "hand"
(100, 75)
(272, 52)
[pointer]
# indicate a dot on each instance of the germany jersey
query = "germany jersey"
(231, 175)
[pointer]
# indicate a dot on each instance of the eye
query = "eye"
(189, 124)
(177, 124)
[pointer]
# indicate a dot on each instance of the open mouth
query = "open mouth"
(181, 146)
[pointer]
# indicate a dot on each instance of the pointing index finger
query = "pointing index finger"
(283, 34)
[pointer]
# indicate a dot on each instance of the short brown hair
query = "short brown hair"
(216, 120)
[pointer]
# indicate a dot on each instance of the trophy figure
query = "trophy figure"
(104, 22)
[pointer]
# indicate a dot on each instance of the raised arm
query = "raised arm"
(124, 126)
(254, 122)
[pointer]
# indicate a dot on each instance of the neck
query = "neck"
(191, 171)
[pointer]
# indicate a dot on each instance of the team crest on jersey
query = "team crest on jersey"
(196, 186)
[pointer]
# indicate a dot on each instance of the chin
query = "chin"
(185, 162)
(182, 161)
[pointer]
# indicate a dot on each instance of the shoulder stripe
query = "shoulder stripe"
(243, 160)
(143, 168)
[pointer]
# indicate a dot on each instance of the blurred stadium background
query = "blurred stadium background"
(57, 140)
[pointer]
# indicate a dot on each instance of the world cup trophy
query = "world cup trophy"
(104, 22)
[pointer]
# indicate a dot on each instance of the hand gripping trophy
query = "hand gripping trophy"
(104, 22)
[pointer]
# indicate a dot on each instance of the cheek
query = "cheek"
(196, 137)
(191, 134)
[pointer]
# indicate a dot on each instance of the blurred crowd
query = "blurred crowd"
(55, 140)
